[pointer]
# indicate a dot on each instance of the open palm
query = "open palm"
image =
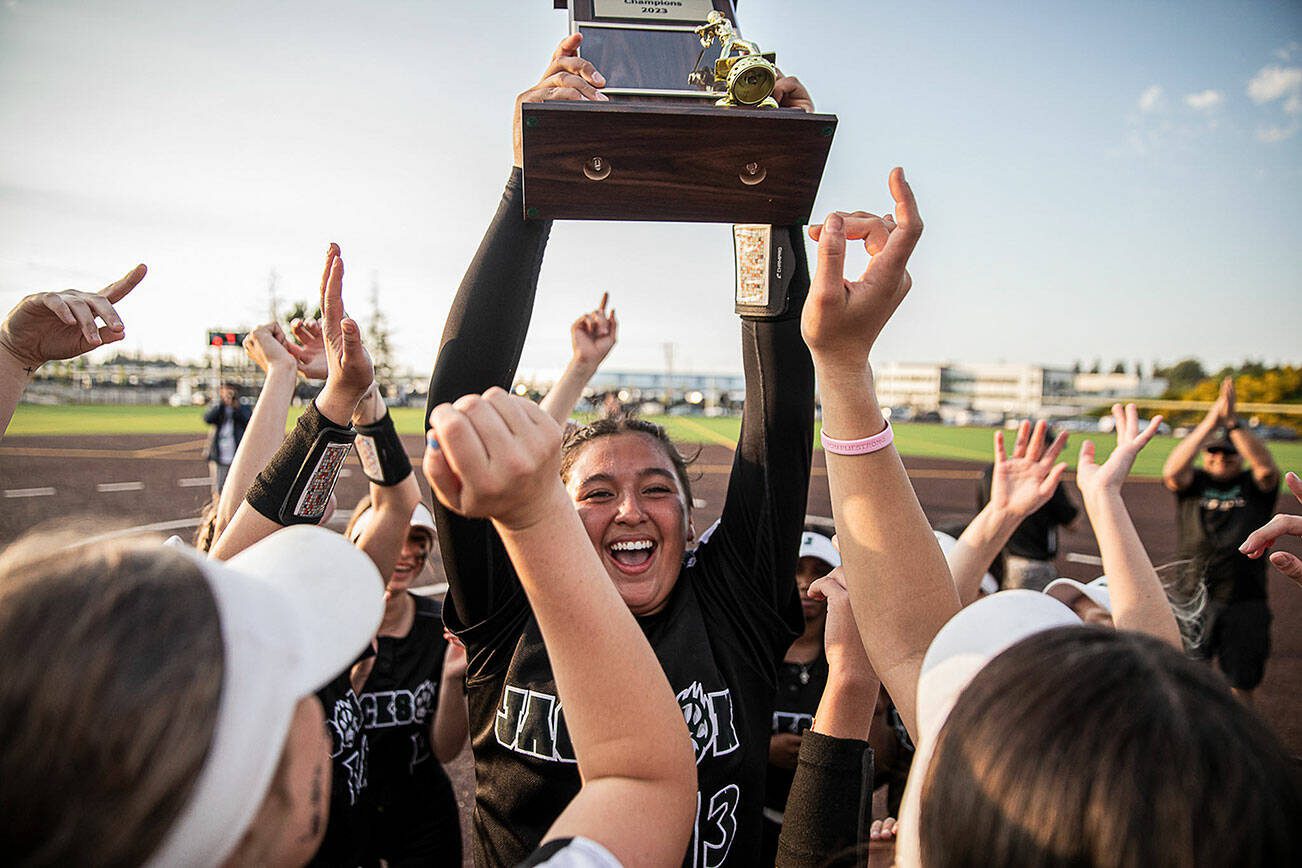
(1024, 482)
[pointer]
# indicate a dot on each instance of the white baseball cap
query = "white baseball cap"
(815, 545)
(421, 517)
(988, 583)
(962, 648)
(1066, 590)
(295, 610)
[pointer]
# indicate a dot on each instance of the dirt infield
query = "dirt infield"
(159, 480)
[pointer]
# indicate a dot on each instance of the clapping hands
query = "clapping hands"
(349, 372)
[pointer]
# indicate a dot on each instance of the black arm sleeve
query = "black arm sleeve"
(481, 347)
(825, 811)
(764, 511)
(213, 414)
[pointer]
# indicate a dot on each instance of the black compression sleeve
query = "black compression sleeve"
(481, 347)
(764, 510)
(821, 822)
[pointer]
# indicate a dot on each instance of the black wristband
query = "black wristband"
(296, 484)
(1232, 425)
(383, 458)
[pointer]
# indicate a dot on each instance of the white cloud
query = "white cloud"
(1204, 100)
(1270, 135)
(1151, 98)
(1286, 53)
(1293, 105)
(1273, 82)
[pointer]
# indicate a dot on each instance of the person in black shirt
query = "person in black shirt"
(1217, 506)
(801, 679)
(718, 620)
(1030, 552)
(413, 713)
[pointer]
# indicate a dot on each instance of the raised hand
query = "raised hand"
(842, 645)
(842, 318)
(593, 335)
(567, 77)
(266, 346)
(348, 365)
(1095, 479)
(1023, 483)
(790, 93)
(308, 349)
(496, 456)
(46, 326)
(1261, 539)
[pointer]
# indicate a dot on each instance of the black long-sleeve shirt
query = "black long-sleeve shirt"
(725, 626)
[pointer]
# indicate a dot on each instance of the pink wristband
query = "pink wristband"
(865, 446)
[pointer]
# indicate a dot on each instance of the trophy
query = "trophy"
(691, 131)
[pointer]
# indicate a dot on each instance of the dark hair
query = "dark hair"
(110, 678)
(1087, 746)
(578, 437)
(205, 531)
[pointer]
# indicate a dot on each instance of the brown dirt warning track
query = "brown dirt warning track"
(160, 481)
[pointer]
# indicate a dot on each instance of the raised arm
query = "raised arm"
(900, 586)
(1138, 599)
(1265, 473)
(47, 326)
(307, 463)
(764, 509)
(485, 334)
(1018, 487)
(638, 769)
(1177, 471)
(451, 724)
(392, 485)
(266, 429)
(592, 336)
(835, 768)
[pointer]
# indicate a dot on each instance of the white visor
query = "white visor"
(420, 517)
(296, 609)
(1066, 590)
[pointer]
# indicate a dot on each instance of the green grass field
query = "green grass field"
(930, 441)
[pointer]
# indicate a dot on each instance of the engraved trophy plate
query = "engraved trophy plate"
(688, 134)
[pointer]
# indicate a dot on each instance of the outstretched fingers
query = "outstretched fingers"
(908, 222)
(1149, 432)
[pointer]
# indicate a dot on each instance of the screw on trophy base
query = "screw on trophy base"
(691, 131)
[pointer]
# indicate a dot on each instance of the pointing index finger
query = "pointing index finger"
(118, 290)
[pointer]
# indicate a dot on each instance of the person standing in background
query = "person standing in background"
(1217, 506)
(228, 418)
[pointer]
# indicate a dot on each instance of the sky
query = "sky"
(1098, 180)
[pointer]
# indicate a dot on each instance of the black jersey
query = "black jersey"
(800, 687)
(724, 629)
(347, 830)
(408, 787)
(1213, 519)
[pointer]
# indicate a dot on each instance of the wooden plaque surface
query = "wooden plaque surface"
(673, 162)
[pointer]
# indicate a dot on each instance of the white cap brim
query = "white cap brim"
(296, 609)
(815, 545)
(962, 648)
(1066, 590)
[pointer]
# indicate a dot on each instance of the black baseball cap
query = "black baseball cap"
(1221, 443)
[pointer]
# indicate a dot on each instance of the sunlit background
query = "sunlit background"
(1098, 180)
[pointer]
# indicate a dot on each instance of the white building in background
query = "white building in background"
(966, 393)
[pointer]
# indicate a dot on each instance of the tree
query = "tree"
(1119, 368)
(299, 310)
(1183, 375)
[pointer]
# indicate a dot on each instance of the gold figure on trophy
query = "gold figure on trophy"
(748, 75)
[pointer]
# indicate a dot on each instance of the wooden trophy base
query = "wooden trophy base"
(689, 163)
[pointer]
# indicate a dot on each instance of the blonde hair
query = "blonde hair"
(110, 680)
